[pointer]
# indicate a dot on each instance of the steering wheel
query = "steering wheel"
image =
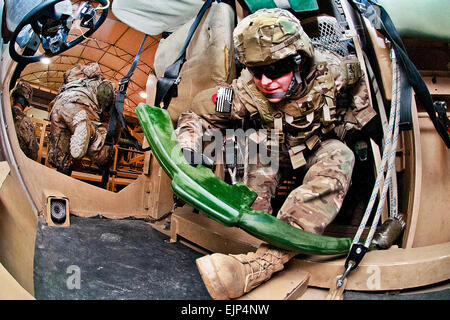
(51, 31)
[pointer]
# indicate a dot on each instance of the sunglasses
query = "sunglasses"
(274, 70)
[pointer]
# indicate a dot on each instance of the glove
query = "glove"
(194, 158)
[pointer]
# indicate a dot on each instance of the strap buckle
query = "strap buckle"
(357, 252)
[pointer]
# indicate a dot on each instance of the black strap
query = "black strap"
(123, 84)
(367, 8)
(166, 87)
(117, 111)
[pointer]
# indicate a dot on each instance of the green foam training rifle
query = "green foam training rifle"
(225, 203)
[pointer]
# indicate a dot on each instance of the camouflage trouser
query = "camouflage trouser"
(264, 181)
(62, 128)
(25, 130)
(314, 204)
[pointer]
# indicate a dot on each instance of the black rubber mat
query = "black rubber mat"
(437, 295)
(103, 259)
(98, 258)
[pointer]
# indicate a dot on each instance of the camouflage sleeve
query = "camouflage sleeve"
(204, 105)
(363, 110)
(202, 118)
(348, 74)
(189, 131)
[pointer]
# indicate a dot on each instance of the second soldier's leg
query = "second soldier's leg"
(74, 117)
(58, 154)
(100, 153)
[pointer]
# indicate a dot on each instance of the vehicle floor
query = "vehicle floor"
(129, 260)
(99, 259)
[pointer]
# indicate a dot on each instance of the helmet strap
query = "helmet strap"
(277, 95)
(297, 72)
(295, 83)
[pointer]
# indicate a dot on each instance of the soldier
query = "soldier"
(79, 118)
(291, 88)
(25, 128)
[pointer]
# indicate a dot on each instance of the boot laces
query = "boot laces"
(261, 267)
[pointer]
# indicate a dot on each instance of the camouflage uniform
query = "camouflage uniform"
(303, 120)
(308, 125)
(79, 118)
(25, 128)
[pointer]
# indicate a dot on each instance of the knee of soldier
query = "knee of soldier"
(339, 148)
(348, 154)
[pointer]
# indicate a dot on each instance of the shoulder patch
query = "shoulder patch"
(224, 100)
(352, 70)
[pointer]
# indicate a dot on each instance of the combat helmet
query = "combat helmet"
(22, 93)
(271, 37)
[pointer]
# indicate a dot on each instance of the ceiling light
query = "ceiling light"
(46, 60)
(143, 95)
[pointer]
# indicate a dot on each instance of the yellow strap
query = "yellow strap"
(336, 293)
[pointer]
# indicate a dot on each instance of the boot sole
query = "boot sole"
(79, 141)
(209, 275)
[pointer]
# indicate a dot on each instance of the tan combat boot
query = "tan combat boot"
(81, 136)
(230, 276)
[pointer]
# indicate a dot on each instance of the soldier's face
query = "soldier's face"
(271, 86)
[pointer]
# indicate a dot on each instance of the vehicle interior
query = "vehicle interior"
(125, 229)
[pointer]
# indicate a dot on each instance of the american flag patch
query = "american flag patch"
(224, 100)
